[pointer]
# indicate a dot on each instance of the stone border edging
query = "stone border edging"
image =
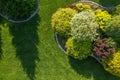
(20, 21)
(56, 38)
(96, 58)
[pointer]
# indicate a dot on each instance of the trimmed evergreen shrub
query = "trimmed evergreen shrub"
(102, 17)
(78, 49)
(84, 26)
(81, 7)
(112, 64)
(61, 20)
(112, 28)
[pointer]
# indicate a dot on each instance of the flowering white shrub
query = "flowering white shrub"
(84, 26)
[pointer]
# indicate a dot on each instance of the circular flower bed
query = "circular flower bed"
(18, 10)
(86, 29)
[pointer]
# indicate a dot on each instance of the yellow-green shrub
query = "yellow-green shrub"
(117, 11)
(112, 64)
(81, 7)
(102, 17)
(61, 20)
(112, 28)
(78, 49)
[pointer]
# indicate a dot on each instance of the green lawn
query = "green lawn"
(28, 51)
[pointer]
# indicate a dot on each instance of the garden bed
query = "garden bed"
(86, 29)
(59, 39)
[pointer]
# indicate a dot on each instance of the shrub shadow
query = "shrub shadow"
(91, 68)
(1, 22)
(0, 45)
(109, 2)
(25, 39)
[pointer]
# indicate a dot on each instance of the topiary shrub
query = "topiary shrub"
(112, 64)
(102, 17)
(78, 49)
(112, 28)
(102, 48)
(84, 26)
(61, 20)
(17, 9)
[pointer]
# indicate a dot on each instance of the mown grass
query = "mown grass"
(28, 51)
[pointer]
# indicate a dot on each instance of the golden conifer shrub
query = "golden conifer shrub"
(112, 64)
(61, 20)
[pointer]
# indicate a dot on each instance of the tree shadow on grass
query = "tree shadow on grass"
(25, 39)
(91, 68)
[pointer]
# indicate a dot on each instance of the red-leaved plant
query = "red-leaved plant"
(102, 48)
